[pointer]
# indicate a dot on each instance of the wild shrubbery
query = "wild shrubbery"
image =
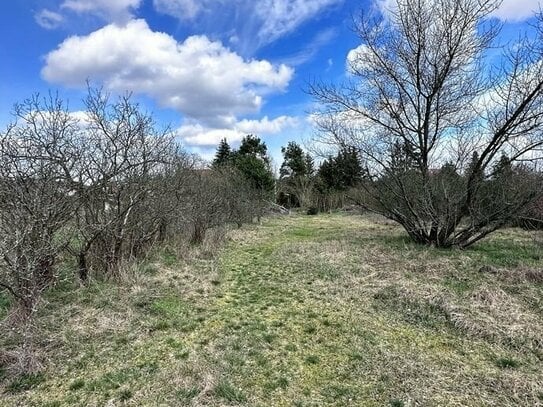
(102, 188)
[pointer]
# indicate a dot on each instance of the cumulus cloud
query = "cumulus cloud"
(198, 77)
(195, 134)
(357, 58)
(265, 125)
(110, 10)
(48, 19)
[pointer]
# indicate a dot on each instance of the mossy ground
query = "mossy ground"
(301, 311)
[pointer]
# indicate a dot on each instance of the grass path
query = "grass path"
(303, 311)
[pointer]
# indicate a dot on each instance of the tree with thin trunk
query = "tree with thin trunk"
(430, 116)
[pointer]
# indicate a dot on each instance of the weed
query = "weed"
(188, 393)
(291, 347)
(25, 382)
(507, 363)
(125, 395)
(312, 360)
(77, 384)
(150, 269)
(169, 258)
(229, 393)
(268, 338)
(112, 380)
(335, 392)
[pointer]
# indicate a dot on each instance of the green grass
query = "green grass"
(320, 310)
(507, 363)
(226, 391)
(77, 384)
(187, 394)
(25, 382)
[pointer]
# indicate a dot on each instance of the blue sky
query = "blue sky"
(210, 68)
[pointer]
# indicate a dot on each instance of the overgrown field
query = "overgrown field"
(301, 311)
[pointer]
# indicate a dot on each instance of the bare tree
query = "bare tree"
(36, 201)
(115, 180)
(422, 100)
(207, 205)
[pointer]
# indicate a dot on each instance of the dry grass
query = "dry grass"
(304, 311)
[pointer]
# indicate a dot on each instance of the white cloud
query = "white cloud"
(509, 10)
(357, 58)
(48, 19)
(312, 48)
(281, 17)
(109, 10)
(517, 10)
(255, 23)
(198, 77)
(266, 126)
(182, 9)
(195, 134)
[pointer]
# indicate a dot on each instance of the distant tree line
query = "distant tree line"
(327, 187)
(344, 178)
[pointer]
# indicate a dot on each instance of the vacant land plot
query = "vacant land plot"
(301, 311)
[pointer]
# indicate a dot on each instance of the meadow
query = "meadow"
(335, 309)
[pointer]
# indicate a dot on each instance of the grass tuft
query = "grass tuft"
(77, 384)
(507, 363)
(226, 391)
(25, 382)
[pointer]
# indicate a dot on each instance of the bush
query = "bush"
(532, 217)
(312, 211)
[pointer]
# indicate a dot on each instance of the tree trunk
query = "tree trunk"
(82, 267)
(198, 234)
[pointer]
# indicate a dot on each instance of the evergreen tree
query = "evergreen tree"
(296, 162)
(253, 146)
(223, 154)
(252, 160)
(472, 167)
(402, 158)
(343, 171)
(296, 176)
(503, 170)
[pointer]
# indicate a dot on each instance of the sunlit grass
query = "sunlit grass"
(301, 311)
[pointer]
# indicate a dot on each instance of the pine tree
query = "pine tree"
(402, 158)
(252, 160)
(343, 171)
(503, 170)
(223, 154)
(296, 162)
(252, 145)
(472, 170)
